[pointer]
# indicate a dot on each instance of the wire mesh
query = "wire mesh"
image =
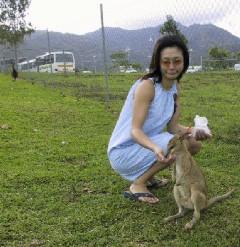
(206, 24)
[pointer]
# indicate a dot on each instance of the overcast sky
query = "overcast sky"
(82, 16)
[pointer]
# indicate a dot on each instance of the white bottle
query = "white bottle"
(201, 123)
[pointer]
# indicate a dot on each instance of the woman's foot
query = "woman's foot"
(141, 188)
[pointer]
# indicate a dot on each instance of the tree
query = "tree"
(238, 55)
(170, 27)
(218, 53)
(219, 56)
(136, 66)
(13, 26)
(119, 58)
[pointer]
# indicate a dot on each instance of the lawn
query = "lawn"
(57, 187)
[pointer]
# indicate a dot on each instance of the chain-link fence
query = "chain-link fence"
(128, 50)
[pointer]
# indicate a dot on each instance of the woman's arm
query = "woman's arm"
(143, 97)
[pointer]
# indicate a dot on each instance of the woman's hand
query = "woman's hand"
(161, 158)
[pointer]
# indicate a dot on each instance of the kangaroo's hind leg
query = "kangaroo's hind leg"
(181, 210)
(199, 201)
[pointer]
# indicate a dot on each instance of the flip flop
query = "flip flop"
(157, 183)
(136, 196)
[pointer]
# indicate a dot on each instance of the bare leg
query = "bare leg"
(139, 185)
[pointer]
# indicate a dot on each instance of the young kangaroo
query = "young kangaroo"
(190, 189)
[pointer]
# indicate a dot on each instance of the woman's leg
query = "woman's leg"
(139, 185)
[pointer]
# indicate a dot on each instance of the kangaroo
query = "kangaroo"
(190, 189)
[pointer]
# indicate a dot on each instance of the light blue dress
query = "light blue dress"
(128, 158)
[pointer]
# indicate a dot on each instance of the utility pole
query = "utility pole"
(16, 56)
(190, 56)
(94, 64)
(49, 50)
(64, 60)
(104, 56)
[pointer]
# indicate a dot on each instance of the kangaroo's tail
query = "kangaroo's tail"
(219, 198)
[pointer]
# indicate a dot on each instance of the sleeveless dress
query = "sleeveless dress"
(128, 158)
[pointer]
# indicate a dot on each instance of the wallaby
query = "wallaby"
(190, 189)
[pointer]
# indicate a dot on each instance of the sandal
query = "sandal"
(137, 196)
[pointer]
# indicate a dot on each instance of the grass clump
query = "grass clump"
(58, 189)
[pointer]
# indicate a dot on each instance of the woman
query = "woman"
(149, 119)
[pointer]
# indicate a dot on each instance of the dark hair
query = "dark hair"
(164, 42)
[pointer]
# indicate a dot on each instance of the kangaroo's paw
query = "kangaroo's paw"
(167, 219)
(172, 217)
(189, 226)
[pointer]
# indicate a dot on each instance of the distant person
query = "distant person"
(148, 120)
(14, 73)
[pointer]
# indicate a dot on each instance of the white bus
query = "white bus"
(55, 62)
(28, 65)
(237, 66)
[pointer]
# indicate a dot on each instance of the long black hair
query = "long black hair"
(164, 42)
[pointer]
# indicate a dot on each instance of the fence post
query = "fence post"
(104, 58)
(49, 50)
(16, 56)
(64, 60)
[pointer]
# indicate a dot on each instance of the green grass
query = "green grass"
(57, 187)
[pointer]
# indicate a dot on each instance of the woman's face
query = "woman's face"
(171, 63)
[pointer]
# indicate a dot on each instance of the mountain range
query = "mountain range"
(88, 49)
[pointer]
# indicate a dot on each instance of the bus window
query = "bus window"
(64, 57)
(49, 59)
(40, 61)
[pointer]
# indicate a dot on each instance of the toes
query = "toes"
(149, 199)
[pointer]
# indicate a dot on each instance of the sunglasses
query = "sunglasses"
(175, 62)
